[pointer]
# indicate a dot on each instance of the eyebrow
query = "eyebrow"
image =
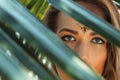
(68, 30)
(93, 34)
(75, 32)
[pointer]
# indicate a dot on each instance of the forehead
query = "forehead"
(67, 22)
(64, 19)
(95, 8)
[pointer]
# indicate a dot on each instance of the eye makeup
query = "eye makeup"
(68, 38)
(98, 40)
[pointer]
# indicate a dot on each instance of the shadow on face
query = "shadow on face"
(88, 45)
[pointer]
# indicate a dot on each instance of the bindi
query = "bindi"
(84, 29)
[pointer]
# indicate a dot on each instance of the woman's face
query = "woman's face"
(90, 46)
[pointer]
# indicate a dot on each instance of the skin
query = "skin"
(89, 46)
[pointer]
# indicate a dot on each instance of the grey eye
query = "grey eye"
(68, 38)
(97, 41)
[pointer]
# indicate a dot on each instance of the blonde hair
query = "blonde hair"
(112, 64)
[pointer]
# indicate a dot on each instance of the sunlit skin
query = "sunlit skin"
(89, 46)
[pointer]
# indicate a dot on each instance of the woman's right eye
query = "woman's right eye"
(68, 38)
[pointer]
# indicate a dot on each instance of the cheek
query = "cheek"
(98, 58)
(71, 45)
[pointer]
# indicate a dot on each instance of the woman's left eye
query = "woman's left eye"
(97, 41)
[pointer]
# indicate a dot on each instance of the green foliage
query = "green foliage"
(118, 1)
(37, 7)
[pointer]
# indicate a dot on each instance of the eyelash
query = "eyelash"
(72, 38)
(100, 40)
(68, 37)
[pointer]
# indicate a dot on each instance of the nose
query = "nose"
(82, 50)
